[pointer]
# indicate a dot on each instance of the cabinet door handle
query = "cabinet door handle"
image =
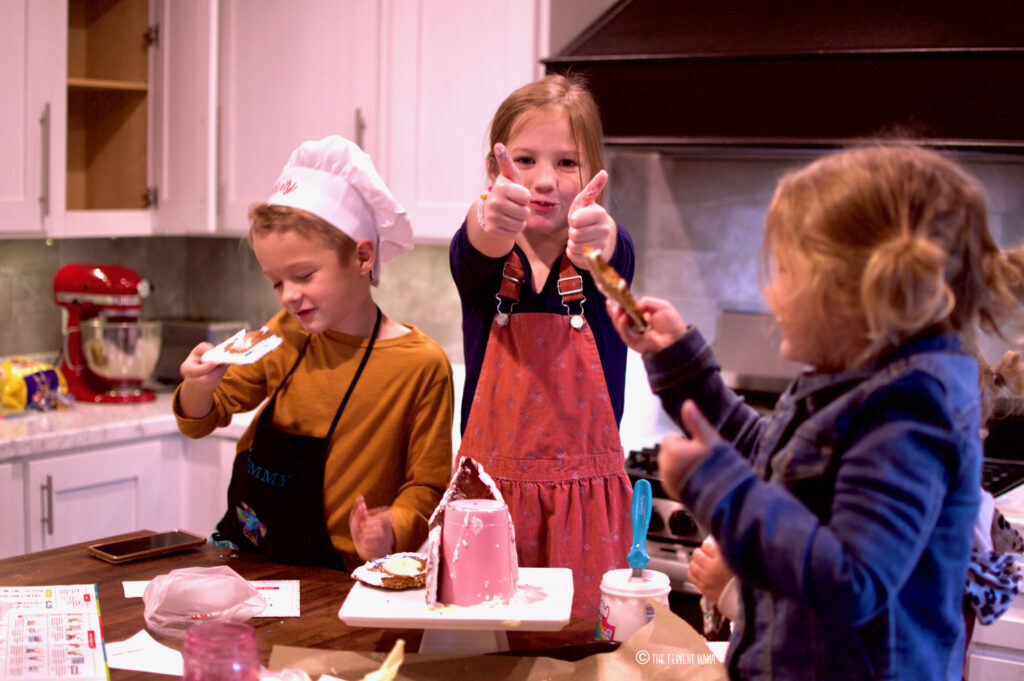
(360, 127)
(46, 497)
(44, 186)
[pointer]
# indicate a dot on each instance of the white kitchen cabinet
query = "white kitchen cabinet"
(92, 119)
(446, 66)
(31, 115)
(101, 491)
(414, 83)
(183, 117)
(291, 71)
(12, 510)
(141, 121)
(997, 651)
(208, 463)
(233, 87)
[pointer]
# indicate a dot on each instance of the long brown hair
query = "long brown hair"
(566, 93)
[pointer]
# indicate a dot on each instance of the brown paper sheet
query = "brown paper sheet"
(666, 648)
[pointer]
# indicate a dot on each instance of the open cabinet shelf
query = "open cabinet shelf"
(107, 99)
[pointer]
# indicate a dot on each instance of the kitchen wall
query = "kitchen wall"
(696, 218)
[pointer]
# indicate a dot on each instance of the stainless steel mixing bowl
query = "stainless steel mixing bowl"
(121, 352)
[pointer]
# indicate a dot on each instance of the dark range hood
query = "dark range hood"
(805, 74)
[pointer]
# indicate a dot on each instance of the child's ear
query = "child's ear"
(365, 256)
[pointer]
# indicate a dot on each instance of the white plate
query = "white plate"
(542, 602)
(366, 573)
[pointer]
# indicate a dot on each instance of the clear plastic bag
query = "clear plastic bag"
(180, 597)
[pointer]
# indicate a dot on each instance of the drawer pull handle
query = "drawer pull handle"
(47, 500)
(44, 165)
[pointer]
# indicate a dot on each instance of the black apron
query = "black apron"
(276, 493)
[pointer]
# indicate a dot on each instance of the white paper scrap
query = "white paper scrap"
(142, 653)
(281, 595)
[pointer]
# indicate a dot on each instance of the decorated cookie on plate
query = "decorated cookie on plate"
(245, 347)
(396, 571)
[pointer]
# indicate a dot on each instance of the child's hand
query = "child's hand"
(677, 454)
(200, 373)
(708, 571)
(371, 530)
(667, 325)
(589, 224)
(200, 380)
(507, 205)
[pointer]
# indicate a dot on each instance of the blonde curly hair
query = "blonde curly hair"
(894, 241)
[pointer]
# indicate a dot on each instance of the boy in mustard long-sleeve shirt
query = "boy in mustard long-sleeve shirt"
(352, 451)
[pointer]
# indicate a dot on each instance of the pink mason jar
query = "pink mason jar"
(221, 651)
(477, 557)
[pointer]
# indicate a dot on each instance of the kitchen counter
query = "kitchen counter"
(86, 425)
(322, 592)
(643, 422)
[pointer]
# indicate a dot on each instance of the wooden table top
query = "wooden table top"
(322, 592)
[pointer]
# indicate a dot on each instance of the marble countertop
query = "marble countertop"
(84, 425)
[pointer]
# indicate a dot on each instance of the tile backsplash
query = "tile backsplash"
(202, 278)
(696, 218)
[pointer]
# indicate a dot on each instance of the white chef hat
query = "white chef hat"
(335, 180)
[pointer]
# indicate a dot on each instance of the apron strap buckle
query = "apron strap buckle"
(512, 275)
(570, 287)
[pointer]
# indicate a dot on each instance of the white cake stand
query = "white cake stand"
(542, 602)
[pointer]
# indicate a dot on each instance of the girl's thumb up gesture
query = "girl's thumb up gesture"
(507, 204)
(678, 455)
(589, 224)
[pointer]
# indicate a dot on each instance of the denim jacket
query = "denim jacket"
(846, 514)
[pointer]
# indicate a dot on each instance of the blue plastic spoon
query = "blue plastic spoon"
(641, 521)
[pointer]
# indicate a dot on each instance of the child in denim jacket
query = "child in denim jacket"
(847, 514)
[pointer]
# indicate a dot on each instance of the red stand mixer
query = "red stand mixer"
(107, 351)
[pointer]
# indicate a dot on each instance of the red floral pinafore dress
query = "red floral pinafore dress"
(542, 425)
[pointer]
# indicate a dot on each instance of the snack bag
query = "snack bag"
(27, 384)
(174, 600)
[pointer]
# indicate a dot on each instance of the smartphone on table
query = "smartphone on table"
(124, 550)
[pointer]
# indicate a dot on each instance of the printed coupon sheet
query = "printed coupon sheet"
(51, 633)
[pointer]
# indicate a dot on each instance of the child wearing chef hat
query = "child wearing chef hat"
(352, 450)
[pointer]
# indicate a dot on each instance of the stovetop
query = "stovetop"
(670, 521)
(1003, 465)
(1000, 475)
